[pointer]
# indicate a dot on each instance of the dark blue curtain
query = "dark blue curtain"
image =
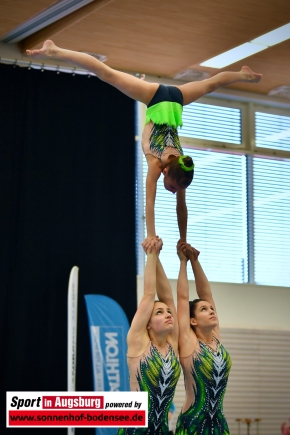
(67, 170)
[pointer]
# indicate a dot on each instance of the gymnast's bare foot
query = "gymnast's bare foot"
(49, 49)
(250, 76)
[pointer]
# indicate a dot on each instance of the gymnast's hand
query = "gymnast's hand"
(152, 243)
(182, 256)
(187, 249)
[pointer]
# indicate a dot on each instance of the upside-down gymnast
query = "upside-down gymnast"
(204, 360)
(160, 141)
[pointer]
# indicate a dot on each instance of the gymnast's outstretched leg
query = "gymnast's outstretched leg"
(131, 86)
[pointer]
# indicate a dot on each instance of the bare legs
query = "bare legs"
(194, 90)
(138, 89)
(131, 86)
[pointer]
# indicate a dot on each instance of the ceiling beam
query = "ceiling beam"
(48, 32)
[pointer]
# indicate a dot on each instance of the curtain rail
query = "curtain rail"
(42, 66)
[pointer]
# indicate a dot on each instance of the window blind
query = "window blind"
(210, 122)
(272, 131)
(271, 221)
(217, 217)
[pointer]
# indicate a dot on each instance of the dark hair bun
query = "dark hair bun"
(187, 161)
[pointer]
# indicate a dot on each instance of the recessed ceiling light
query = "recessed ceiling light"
(249, 48)
(100, 57)
(281, 91)
(192, 75)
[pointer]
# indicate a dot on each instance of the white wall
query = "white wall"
(245, 305)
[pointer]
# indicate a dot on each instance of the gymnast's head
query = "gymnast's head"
(178, 173)
(161, 320)
(202, 314)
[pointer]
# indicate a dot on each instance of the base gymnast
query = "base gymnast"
(160, 141)
(204, 360)
(153, 347)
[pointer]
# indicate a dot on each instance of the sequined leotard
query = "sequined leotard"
(158, 375)
(205, 375)
(163, 116)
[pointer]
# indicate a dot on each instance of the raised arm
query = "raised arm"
(181, 211)
(187, 338)
(137, 337)
(203, 289)
(153, 174)
(164, 293)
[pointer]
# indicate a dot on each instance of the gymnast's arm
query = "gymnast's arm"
(203, 288)
(137, 337)
(153, 175)
(187, 338)
(164, 293)
(181, 211)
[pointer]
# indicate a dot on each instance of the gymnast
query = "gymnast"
(160, 141)
(153, 347)
(204, 360)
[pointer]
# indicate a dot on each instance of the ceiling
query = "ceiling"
(163, 38)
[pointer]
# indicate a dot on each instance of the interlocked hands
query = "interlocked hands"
(151, 244)
(185, 251)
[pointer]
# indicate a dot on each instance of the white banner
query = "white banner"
(72, 328)
(72, 315)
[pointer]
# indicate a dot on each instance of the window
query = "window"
(239, 201)
(272, 131)
(217, 218)
(271, 221)
(211, 122)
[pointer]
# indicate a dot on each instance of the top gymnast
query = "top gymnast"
(160, 140)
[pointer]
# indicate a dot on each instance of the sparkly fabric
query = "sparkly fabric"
(163, 136)
(158, 375)
(207, 373)
(161, 141)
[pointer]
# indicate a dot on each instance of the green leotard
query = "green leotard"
(158, 375)
(206, 375)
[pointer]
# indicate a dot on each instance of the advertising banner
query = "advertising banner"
(108, 331)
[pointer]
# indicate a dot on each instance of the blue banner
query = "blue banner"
(108, 331)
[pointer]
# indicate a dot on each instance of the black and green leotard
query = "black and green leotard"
(205, 375)
(158, 375)
(163, 116)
